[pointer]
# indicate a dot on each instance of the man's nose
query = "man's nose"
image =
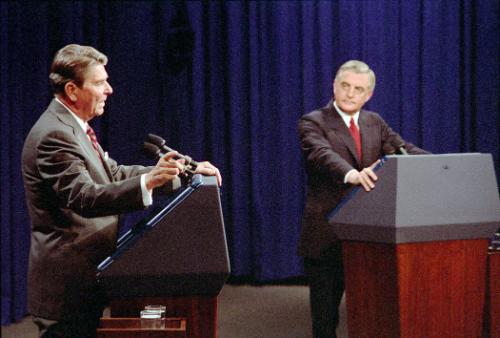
(350, 92)
(109, 89)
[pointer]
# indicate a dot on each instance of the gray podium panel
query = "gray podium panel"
(423, 198)
(180, 250)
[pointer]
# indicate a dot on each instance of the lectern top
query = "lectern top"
(424, 198)
(179, 249)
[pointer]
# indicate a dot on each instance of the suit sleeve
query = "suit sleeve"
(318, 152)
(387, 133)
(65, 169)
(121, 172)
(414, 150)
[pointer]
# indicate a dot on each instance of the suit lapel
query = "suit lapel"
(335, 122)
(84, 142)
(367, 138)
(104, 163)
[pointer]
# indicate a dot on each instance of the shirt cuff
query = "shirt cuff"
(347, 175)
(147, 195)
(176, 183)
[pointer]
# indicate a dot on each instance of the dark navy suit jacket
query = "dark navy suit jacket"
(329, 153)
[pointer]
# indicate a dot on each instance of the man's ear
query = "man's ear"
(369, 96)
(70, 89)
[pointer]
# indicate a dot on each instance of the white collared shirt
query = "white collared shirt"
(347, 120)
(81, 122)
(346, 117)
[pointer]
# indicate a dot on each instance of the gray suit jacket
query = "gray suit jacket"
(329, 152)
(74, 200)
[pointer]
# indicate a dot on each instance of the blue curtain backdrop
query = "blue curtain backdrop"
(227, 81)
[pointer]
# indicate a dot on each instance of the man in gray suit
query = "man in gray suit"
(75, 194)
(341, 144)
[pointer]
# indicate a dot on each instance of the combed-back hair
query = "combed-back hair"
(70, 64)
(358, 67)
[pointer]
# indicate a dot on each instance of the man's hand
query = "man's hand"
(207, 168)
(365, 177)
(166, 170)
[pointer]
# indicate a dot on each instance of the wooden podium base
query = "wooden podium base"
(131, 328)
(415, 290)
(200, 311)
(492, 308)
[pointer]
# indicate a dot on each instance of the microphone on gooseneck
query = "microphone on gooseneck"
(161, 144)
(159, 151)
(153, 150)
(394, 145)
(402, 150)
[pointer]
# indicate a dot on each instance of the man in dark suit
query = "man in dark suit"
(75, 194)
(341, 144)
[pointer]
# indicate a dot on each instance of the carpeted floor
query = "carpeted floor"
(244, 312)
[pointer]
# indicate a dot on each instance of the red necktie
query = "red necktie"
(355, 135)
(93, 139)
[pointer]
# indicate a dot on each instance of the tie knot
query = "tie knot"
(91, 134)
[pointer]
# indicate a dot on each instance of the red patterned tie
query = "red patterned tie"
(93, 139)
(355, 135)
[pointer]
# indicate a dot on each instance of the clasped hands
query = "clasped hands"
(365, 177)
(168, 168)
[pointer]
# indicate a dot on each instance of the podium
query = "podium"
(415, 248)
(131, 328)
(176, 257)
(492, 309)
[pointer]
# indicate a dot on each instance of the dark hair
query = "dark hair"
(70, 64)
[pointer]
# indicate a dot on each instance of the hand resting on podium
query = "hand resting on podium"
(365, 177)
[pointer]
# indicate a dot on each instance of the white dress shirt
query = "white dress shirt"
(347, 120)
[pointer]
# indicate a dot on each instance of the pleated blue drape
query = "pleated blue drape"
(227, 81)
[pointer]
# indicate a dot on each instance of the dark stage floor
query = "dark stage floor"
(244, 312)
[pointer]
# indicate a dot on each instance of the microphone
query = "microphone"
(157, 152)
(394, 145)
(161, 144)
(153, 150)
(402, 149)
